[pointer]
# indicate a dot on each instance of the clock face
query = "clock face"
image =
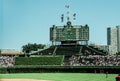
(69, 24)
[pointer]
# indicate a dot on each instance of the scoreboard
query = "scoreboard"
(69, 33)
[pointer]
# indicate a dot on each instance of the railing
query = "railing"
(95, 50)
(54, 50)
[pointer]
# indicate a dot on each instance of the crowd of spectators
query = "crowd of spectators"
(6, 61)
(76, 60)
(94, 60)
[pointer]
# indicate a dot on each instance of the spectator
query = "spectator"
(6, 60)
(94, 60)
(118, 77)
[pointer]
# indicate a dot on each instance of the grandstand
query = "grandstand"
(72, 50)
(69, 37)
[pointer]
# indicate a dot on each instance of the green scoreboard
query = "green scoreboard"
(69, 33)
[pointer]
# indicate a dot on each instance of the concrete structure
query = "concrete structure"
(113, 39)
(10, 52)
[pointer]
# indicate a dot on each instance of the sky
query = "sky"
(28, 21)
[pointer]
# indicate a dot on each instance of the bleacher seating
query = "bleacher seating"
(72, 50)
(67, 50)
(48, 51)
(92, 60)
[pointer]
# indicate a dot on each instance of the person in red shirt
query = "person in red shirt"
(118, 77)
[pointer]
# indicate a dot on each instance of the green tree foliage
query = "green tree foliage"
(118, 53)
(32, 47)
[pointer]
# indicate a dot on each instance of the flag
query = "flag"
(62, 17)
(74, 16)
(67, 6)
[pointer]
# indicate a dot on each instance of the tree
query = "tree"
(118, 53)
(32, 47)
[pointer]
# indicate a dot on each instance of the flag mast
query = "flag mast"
(68, 14)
